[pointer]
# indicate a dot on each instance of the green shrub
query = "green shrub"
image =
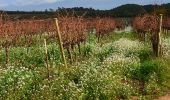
(144, 72)
(104, 53)
(144, 55)
(87, 50)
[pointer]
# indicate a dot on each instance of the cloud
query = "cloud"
(4, 3)
(32, 2)
(29, 5)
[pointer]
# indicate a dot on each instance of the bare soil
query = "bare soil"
(166, 97)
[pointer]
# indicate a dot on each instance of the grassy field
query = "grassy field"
(118, 66)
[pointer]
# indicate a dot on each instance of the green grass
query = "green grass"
(98, 72)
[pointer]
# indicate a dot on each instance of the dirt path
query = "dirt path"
(127, 29)
(166, 97)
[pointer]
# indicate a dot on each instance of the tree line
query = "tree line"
(127, 10)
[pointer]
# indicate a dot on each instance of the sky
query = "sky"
(40, 5)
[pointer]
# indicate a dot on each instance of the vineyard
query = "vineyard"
(77, 58)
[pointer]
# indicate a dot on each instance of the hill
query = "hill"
(127, 10)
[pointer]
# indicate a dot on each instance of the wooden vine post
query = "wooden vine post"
(60, 42)
(69, 54)
(46, 58)
(159, 36)
(7, 55)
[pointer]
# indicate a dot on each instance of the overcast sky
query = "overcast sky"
(29, 5)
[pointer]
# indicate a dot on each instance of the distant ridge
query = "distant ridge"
(135, 9)
(127, 10)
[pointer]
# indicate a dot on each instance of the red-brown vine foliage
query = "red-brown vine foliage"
(103, 26)
(120, 24)
(166, 23)
(148, 23)
(73, 29)
(13, 30)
